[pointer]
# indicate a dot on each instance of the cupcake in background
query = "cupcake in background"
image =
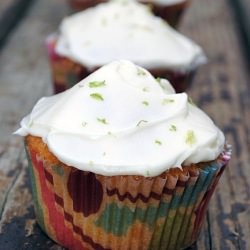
(120, 161)
(121, 30)
(169, 10)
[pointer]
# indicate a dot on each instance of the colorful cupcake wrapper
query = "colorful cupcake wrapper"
(82, 210)
(66, 73)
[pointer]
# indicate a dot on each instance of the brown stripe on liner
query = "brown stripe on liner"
(59, 200)
(68, 217)
(49, 177)
(193, 173)
(181, 183)
(139, 196)
(129, 196)
(168, 191)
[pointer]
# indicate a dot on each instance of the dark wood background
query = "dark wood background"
(221, 88)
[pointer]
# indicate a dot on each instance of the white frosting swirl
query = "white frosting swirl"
(163, 2)
(122, 121)
(125, 30)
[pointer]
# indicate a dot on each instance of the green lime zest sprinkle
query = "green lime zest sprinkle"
(102, 120)
(158, 142)
(141, 72)
(145, 89)
(147, 173)
(97, 84)
(91, 163)
(190, 138)
(97, 96)
(191, 101)
(84, 124)
(31, 123)
(173, 128)
(167, 100)
(141, 122)
(145, 103)
(158, 79)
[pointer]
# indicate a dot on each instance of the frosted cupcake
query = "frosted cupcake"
(99, 35)
(120, 161)
(170, 10)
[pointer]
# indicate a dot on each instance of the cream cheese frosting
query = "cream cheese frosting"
(164, 2)
(120, 120)
(125, 30)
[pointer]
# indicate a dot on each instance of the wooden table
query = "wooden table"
(221, 88)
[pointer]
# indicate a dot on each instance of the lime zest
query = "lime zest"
(84, 124)
(145, 103)
(190, 138)
(190, 100)
(173, 128)
(158, 142)
(97, 96)
(167, 101)
(102, 120)
(97, 84)
(158, 79)
(141, 72)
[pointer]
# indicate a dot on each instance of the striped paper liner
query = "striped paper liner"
(82, 210)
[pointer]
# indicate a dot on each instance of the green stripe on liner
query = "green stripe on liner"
(112, 219)
(38, 208)
(58, 170)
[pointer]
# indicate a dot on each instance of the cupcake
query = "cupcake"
(120, 161)
(92, 38)
(170, 10)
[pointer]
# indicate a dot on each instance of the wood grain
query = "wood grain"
(221, 88)
(11, 12)
(242, 9)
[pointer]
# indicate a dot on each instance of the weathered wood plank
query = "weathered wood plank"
(10, 13)
(242, 10)
(221, 89)
(18, 224)
(24, 77)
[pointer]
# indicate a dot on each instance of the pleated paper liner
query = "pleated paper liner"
(83, 210)
(66, 73)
